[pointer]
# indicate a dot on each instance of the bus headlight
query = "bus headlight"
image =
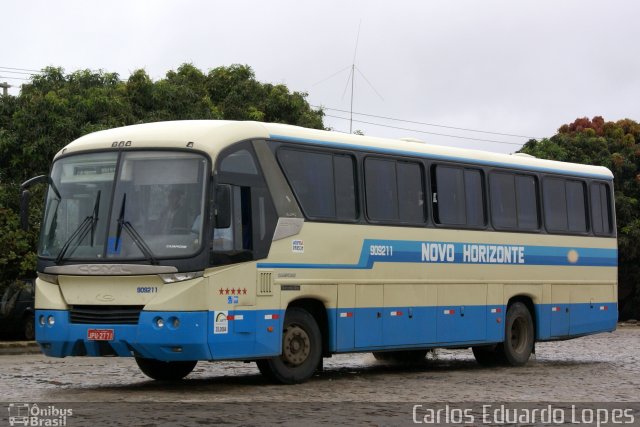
(159, 322)
(42, 320)
(51, 320)
(174, 323)
(180, 277)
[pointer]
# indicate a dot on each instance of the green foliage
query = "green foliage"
(56, 108)
(615, 145)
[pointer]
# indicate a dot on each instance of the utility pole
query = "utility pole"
(5, 88)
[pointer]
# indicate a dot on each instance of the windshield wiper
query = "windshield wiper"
(135, 236)
(89, 224)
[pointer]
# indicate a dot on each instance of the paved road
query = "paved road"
(600, 368)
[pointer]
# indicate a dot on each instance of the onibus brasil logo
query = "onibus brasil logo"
(28, 414)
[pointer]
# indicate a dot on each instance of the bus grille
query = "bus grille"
(264, 283)
(105, 314)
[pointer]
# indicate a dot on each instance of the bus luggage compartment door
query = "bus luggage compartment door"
(368, 315)
(462, 312)
(559, 308)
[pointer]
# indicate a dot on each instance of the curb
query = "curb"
(9, 348)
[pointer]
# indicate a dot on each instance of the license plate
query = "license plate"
(100, 335)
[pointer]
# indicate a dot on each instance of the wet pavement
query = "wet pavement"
(599, 368)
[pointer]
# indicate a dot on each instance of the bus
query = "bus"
(176, 242)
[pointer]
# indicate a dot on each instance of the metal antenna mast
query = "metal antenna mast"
(352, 76)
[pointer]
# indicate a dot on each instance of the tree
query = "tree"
(55, 108)
(615, 145)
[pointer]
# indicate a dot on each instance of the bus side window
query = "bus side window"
(457, 196)
(601, 209)
(230, 238)
(253, 215)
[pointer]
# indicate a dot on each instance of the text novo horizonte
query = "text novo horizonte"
(473, 253)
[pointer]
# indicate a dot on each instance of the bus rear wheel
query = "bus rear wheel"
(519, 335)
(301, 350)
(165, 371)
(489, 355)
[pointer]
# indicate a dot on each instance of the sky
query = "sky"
(517, 67)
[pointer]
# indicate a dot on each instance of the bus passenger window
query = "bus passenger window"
(410, 192)
(324, 183)
(503, 200)
(458, 196)
(576, 206)
(450, 206)
(555, 204)
(381, 189)
(565, 205)
(474, 198)
(527, 202)
(345, 187)
(601, 209)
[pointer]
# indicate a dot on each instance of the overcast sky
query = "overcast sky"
(516, 67)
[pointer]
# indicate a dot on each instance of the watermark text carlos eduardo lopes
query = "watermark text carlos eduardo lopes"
(507, 414)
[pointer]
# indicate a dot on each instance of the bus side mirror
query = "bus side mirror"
(25, 198)
(223, 206)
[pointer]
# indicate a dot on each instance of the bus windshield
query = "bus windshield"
(124, 206)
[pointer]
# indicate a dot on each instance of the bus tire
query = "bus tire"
(165, 371)
(488, 355)
(301, 350)
(519, 335)
(29, 327)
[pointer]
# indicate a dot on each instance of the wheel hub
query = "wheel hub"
(295, 346)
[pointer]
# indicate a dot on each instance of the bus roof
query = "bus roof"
(213, 135)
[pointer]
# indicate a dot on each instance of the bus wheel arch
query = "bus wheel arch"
(520, 331)
(519, 342)
(318, 310)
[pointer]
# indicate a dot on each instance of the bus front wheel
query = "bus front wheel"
(165, 371)
(519, 335)
(301, 350)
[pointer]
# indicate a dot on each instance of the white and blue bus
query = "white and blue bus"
(183, 241)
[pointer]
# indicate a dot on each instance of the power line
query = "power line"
(427, 124)
(14, 78)
(427, 132)
(16, 72)
(20, 69)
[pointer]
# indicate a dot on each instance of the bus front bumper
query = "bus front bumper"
(168, 336)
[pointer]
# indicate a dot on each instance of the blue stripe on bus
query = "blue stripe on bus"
(403, 251)
(440, 157)
(257, 333)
